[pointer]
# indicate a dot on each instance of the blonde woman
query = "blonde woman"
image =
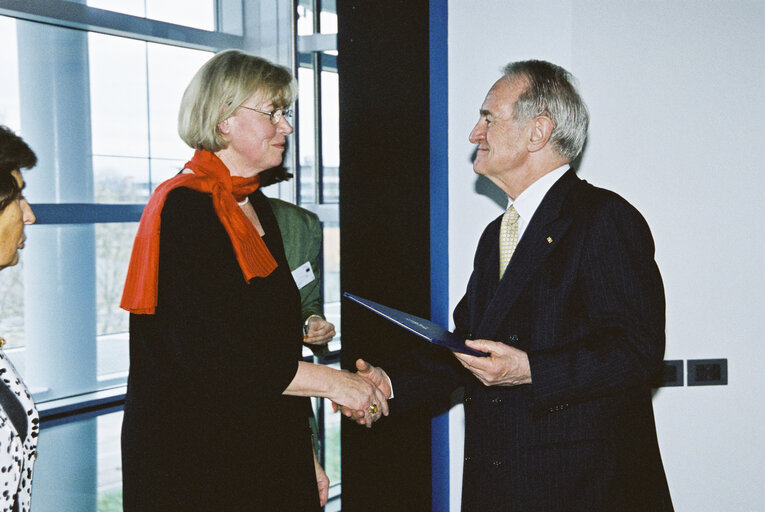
(215, 412)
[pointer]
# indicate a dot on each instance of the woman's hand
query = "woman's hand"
(321, 480)
(344, 388)
(319, 331)
(360, 395)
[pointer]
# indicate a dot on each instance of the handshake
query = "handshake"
(363, 396)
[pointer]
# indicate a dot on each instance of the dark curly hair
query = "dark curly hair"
(14, 155)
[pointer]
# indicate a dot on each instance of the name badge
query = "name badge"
(303, 274)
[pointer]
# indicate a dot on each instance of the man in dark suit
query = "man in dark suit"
(559, 416)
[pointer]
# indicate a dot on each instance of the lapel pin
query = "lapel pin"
(549, 240)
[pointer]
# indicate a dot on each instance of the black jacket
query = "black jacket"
(583, 297)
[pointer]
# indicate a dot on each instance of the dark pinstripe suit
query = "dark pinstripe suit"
(583, 297)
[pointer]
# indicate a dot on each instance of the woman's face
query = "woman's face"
(254, 142)
(12, 220)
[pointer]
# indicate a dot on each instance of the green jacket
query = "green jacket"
(302, 237)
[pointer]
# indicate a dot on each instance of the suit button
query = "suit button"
(495, 401)
(497, 464)
(468, 459)
(513, 338)
(467, 400)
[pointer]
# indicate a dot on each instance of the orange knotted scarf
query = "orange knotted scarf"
(211, 177)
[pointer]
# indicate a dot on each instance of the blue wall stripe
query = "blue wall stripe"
(86, 213)
(439, 226)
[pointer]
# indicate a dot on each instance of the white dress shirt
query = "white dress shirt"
(530, 199)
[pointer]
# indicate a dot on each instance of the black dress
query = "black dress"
(206, 426)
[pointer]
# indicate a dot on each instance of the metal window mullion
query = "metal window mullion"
(317, 124)
(294, 150)
(82, 17)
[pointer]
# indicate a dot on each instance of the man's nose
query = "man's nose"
(476, 134)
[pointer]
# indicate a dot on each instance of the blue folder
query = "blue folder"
(433, 333)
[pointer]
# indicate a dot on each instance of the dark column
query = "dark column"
(383, 68)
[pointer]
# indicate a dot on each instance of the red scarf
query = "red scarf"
(211, 177)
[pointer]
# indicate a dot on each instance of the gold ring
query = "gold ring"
(373, 409)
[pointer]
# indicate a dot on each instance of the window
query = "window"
(318, 187)
(102, 81)
(96, 96)
(89, 481)
(110, 105)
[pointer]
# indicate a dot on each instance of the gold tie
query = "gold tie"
(508, 238)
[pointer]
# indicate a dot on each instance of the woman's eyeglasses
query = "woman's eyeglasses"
(275, 115)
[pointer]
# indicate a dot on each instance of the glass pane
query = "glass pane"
(170, 70)
(96, 355)
(120, 179)
(191, 13)
(114, 243)
(109, 463)
(327, 20)
(163, 169)
(12, 306)
(132, 7)
(118, 96)
(304, 18)
(331, 261)
(80, 466)
(330, 130)
(9, 85)
(306, 135)
(331, 446)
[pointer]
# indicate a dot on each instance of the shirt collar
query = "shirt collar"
(530, 199)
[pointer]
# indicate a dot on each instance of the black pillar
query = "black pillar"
(383, 64)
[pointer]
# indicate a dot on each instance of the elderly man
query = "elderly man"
(567, 300)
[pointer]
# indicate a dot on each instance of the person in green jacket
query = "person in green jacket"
(302, 236)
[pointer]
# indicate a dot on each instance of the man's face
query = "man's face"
(502, 144)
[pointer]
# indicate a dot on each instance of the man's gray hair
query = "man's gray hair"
(550, 91)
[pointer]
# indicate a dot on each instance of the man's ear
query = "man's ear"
(541, 131)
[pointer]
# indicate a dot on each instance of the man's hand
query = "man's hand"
(359, 397)
(376, 376)
(506, 365)
(319, 332)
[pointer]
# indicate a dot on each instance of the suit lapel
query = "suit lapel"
(544, 231)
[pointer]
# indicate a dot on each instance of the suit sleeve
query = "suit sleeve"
(621, 345)
(429, 375)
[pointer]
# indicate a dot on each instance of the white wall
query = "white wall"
(676, 92)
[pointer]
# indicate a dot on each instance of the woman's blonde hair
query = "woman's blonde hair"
(220, 86)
